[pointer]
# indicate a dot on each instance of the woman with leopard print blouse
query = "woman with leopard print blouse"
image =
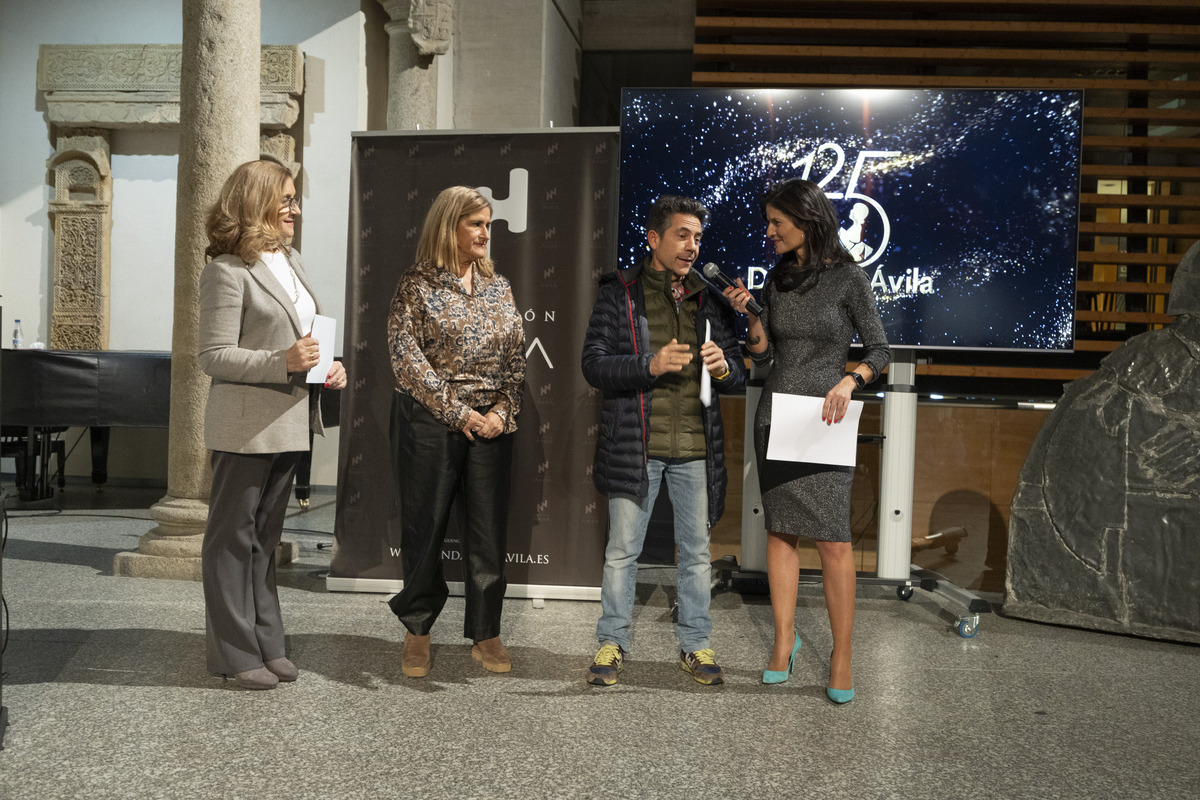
(457, 349)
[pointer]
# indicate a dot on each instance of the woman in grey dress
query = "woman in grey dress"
(815, 299)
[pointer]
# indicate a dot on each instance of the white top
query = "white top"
(306, 307)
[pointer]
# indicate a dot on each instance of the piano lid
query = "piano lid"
(60, 388)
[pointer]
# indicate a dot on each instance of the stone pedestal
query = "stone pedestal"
(419, 31)
(172, 550)
(218, 130)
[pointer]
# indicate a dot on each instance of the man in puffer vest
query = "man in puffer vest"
(645, 347)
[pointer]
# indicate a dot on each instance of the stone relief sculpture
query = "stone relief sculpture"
(116, 86)
(90, 90)
(81, 211)
(1105, 525)
(109, 67)
(282, 147)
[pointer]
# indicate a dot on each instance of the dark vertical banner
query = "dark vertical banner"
(553, 233)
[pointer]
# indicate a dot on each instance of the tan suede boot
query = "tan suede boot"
(493, 654)
(414, 661)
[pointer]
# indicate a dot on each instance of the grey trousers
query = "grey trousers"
(246, 507)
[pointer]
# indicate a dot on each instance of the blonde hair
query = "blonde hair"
(245, 219)
(438, 244)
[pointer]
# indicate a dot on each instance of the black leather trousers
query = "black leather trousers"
(434, 467)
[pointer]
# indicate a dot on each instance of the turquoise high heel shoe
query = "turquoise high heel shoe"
(781, 675)
(839, 696)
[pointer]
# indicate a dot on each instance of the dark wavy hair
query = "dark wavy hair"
(810, 210)
(667, 206)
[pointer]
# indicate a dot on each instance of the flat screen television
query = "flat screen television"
(961, 206)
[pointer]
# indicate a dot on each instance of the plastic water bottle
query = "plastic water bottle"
(17, 337)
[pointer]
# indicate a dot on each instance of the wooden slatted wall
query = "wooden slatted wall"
(1138, 62)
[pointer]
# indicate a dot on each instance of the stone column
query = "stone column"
(419, 31)
(218, 129)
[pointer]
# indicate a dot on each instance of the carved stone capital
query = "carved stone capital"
(429, 23)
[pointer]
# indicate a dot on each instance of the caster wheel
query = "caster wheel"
(967, 629)
(904, 592)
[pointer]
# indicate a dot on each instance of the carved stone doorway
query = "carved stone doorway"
(91, 90)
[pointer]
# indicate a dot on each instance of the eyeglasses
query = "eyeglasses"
(291, 204)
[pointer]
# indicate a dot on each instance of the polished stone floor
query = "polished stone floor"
(108, 698)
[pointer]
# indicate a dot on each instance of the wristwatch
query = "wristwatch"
(859, 383)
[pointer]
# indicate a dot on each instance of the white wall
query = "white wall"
(337, 36)
(144, 166)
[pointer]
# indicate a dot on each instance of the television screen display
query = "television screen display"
(960, 205)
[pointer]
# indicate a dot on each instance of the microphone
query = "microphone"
(713, 273)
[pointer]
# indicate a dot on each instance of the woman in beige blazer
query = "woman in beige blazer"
(256, 313)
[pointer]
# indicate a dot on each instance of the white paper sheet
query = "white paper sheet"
(324, 330)
(798, 434)
(705, 378)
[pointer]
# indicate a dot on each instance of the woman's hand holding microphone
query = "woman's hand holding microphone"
(739, 298)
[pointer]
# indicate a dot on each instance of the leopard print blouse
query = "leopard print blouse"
(452, 351)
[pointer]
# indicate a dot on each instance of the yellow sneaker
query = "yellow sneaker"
(609, 660)
(703, 666)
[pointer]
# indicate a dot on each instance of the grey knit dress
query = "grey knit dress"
(808, 339)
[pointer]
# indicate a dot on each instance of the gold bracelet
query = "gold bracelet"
(723, 375)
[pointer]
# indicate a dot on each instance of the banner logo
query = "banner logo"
(538, 344)
(515, 210)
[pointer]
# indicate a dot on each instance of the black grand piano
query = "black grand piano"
(43, 392)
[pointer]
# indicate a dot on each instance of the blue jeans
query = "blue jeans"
(628, 517)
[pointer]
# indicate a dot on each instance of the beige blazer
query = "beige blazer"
(247, 323)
